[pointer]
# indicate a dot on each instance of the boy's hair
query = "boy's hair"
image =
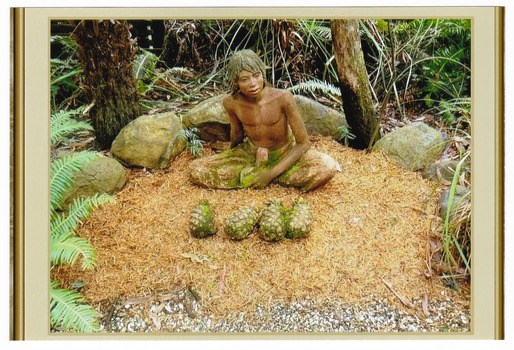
(240, 61)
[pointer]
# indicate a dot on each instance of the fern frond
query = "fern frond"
(315, 85)
(62, 124)
(65, 224)
(68, 310)
(62, 175)
(144, 65)
(324, 32)
(315, 28)
(177, 71)
(69, 249)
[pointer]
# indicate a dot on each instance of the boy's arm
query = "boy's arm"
(297, 125)
(236, 128)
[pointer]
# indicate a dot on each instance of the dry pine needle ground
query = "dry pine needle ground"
(372, 223)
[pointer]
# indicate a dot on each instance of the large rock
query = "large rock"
(150, 141)
(443, 170)
(102, 175)
(212, 121)
(318, 118)
(210, 118)
(461, 199)
(413, 146)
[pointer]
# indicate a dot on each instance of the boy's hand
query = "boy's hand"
(263, 179)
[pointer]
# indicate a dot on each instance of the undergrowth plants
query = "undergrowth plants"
(429, 58)
(68, 310)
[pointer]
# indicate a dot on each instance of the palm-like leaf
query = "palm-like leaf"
(69, 311)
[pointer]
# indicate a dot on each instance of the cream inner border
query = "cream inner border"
(485, 166)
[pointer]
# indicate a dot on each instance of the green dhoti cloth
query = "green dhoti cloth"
(239, 166)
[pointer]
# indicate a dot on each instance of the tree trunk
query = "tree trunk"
(354, 82)
(106, 53)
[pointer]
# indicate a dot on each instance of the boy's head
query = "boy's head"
(240, 61)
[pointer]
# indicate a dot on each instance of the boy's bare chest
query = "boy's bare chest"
(259, 114)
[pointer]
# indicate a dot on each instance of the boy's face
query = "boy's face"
(250, 84)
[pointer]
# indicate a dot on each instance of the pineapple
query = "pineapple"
(272, 223)
(242, 222)
(202, 220)
(299, 220)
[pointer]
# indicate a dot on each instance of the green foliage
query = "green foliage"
(144, 65)
(344, 134)
(65, 248)
(315, 85)
(457, 228)
(431, 58)
(69, 311)
(62, 176)
(194, 144)
(62, 125)
(65, 71)
(317, 36)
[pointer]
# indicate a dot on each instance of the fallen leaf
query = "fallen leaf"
(424, 303)
(404, 300)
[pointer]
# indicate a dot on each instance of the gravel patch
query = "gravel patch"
(183, 313)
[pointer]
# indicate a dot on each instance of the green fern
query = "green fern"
(144, 65)
(194, 144)
(62, 175)
(79, 210)
(315, 85)
(68, 250)
(68, 310)
(344, 134)
(65, 248)
(62, 125)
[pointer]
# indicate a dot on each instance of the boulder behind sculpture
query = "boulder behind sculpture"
(413, 146)
(212, 120)
(150, 141)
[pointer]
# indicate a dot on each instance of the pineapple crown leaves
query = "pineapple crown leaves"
(63, 125)
(68, 310)
(62, 175)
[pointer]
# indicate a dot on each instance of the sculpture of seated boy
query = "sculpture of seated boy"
(276, 147)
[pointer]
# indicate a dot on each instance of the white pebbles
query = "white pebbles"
(182, 313)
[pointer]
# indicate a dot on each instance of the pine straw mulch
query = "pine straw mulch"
(372, 225)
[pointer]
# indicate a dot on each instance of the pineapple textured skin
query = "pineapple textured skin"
(242, 222)
(272, 224)
(202, 222)
(299, 220)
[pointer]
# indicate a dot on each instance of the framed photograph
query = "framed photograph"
(273, 173)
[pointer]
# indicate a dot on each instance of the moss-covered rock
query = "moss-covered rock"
(413, 146)
(150, 141)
